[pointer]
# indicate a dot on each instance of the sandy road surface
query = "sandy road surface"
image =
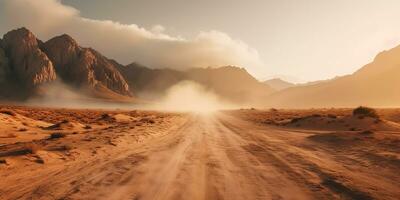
(215, 157)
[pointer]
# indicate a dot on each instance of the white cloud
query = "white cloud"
(128, 43)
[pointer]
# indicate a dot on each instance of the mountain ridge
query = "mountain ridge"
(85, 69)
(375, 84)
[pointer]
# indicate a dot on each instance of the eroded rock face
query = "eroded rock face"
(83, 67)
(27, 62)
(3, 65)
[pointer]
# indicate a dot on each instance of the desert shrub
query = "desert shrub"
(60, 148)
(30, 148)
(8, 112)
(87, 127)
(57, 135)
(332, 116)
(295, 120)
(367, 132)
(39, 160)
(107, 117)
(365, 111)
(147, 120)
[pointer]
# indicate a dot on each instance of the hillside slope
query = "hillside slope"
(376, 84)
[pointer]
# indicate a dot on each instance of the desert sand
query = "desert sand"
(48, 153)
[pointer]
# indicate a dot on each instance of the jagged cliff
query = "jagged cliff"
(27, 63)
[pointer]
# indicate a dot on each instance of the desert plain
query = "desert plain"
(59, 153)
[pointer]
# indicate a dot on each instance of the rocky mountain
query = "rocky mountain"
(151, 83)
(233, 83)
(27, 63)
(83, 67)
(3, 64)
(376, 84)
(278, 84)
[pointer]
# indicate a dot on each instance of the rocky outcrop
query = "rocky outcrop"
(27, 63)
(84, 67)
(3, 65)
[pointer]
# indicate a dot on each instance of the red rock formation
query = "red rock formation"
(3, 64)
(84, 67)
(27, 62)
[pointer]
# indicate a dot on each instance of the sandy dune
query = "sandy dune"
(224, 155)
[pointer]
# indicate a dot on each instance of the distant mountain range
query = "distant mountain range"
(27, 64)
(375, 84)
(278, 84)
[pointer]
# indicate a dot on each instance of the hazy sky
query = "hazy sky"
(302, 39)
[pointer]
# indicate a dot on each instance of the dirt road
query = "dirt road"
(214, 156)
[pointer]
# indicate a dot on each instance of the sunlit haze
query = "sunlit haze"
(297, 40)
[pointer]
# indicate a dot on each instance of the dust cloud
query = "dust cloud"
(189, 96)
(59, 94)
(185, 96)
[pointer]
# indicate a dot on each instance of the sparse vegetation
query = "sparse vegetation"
(367, 132)
(365, 112)
(8, 112)
(39, 160)
(147, 120)
(60, 148)
(57, 135)
(332, 116)
(87, 127)
(29, 148)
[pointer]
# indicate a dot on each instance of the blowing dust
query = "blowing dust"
(189, 96)
(58, 94)
(185, 96)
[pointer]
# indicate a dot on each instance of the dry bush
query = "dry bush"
(57, 135)
(332, 116)
(87, 127)
(147, 120)
(365, 112)
(367, 132)
(29, 148)
(8, 112)
(60, 148)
